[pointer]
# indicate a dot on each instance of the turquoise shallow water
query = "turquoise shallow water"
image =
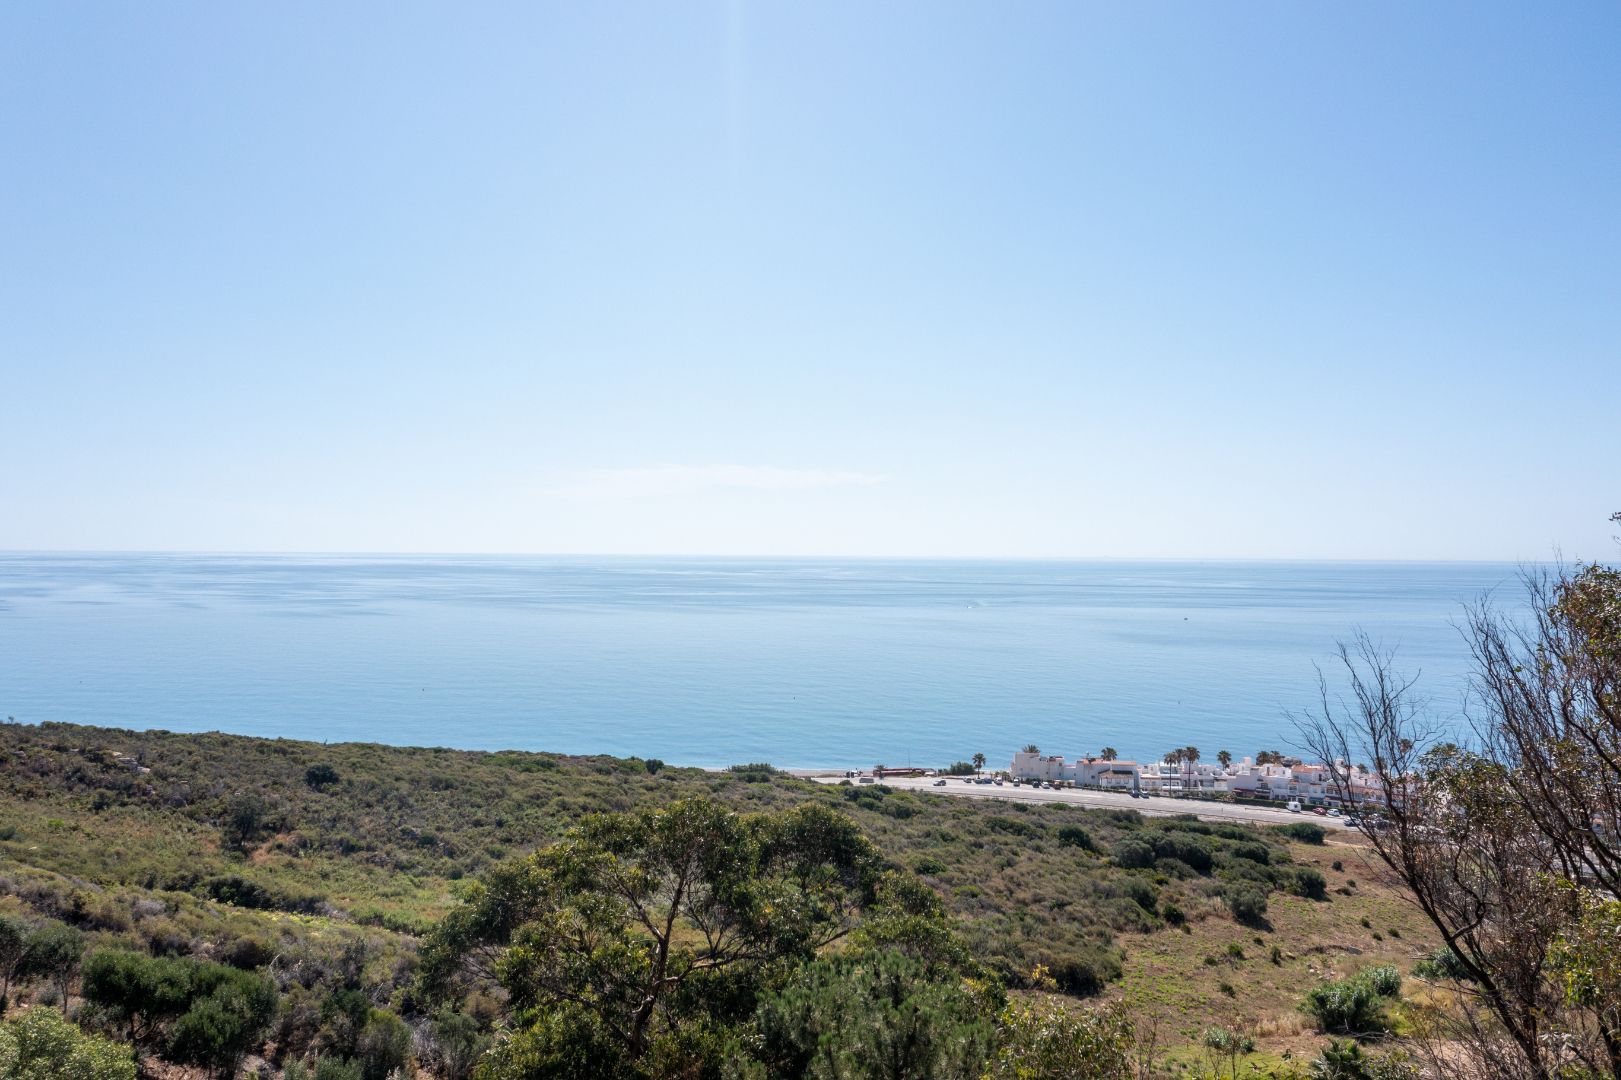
(713, 661)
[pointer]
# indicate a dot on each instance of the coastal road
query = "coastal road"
(1158, 805)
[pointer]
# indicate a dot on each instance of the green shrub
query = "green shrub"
(1195, 851)
(1140, 891)
(38, 1044)
(1084, 976)
(1133, 854)
(1341, 1061)
(1013, 826)
(1443, 963)
(385, 1045)
(851, 1017)
(240, 892)
(454, 1045)
(320, 777)
(336, 1069)
(208, 1014)
(1353, 1006)
(1304, 831)
(1309, 883)
(1175, 868)
(1257, 853)
(1245, 900)
(1040, 1039)
(229, 1014)
(1384, 979)
(1075, 836)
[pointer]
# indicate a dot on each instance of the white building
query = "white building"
(1088, 772)
(1282, 783)
(1198, 776)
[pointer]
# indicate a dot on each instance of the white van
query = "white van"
(1294, 806)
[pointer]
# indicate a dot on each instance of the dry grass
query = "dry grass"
(1168, 981)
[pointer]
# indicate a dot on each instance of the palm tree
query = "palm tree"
(1032, 748)
(1109, 753)
(1190, 756)
(979, 763)
(1224, 758)
(1172, 757)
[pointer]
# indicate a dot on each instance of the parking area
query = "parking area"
(1156, 805)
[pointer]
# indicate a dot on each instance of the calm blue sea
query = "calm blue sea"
(713, 661)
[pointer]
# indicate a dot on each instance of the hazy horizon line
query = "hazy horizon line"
(760, 556)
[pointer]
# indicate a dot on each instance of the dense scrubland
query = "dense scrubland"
(296, 907)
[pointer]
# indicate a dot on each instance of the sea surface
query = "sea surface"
(802, 663)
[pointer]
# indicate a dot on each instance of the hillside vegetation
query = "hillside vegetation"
(318, 872)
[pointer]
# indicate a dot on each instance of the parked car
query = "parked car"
(1333, 811)
(939, 783)
(1351, 822)
(1320, 811)
(1294, 806)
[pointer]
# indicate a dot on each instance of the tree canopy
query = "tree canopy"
(612, 924)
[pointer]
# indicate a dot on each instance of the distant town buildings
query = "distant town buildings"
(1292, 781)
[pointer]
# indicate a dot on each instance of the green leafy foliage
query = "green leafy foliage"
(205, 1014)
(1134, 854)
(55, 952)
(876, 1016)
(1354, 1006)
(1044, 1041)
(624, 912)
(39, 1045)
(1245, 900)
(1341, 1061)
(1076, 836)
(1309, 882)
(1304, 831)
(1586, 957)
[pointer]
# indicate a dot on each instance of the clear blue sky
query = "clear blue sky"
(1068, 279)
